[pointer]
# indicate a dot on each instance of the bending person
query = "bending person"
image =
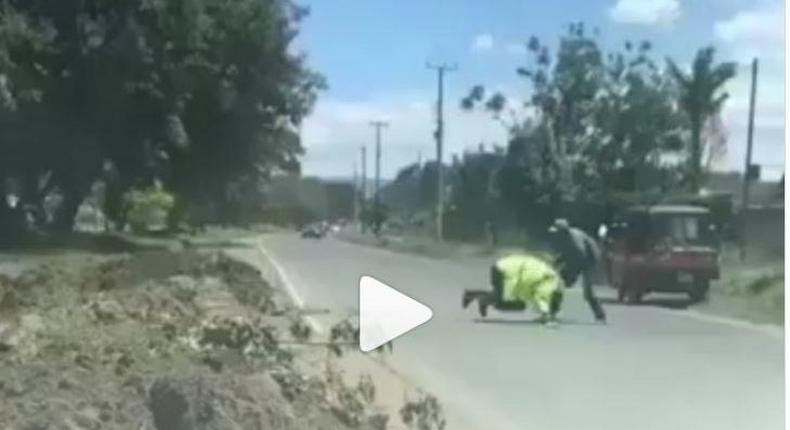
(520, 281)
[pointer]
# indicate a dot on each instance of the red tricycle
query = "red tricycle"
(662, 248)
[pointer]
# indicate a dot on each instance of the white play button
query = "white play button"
(385, 313)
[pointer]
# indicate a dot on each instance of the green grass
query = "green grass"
(427, 246)
(752, 291)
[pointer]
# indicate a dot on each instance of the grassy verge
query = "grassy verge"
(749, 291)
(427, 246)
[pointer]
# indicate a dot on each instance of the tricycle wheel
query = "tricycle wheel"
(634, 296)
(628, 293)
(699, 291)
(620, 294)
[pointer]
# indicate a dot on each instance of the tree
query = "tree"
(473, 199)
(204, 95)
(597, 123)
(701, 96)
(634, 125)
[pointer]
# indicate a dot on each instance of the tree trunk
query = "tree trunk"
(74, 191)
(67, 212)
(695, 159)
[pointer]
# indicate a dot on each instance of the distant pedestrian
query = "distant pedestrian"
(577, 254)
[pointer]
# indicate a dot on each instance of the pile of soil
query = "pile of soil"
(159, 340)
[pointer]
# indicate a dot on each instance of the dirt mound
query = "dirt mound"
(157, 340)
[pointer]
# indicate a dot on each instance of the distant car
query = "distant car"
(313, 231)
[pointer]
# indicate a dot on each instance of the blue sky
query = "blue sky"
(373, 53)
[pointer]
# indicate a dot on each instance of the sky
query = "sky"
(373, 54)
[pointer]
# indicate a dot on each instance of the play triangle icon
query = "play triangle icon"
(385, 313)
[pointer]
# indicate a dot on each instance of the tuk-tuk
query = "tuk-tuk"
(662, 248)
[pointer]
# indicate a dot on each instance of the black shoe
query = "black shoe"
(467, 298)
(601, 319)
(482, 308)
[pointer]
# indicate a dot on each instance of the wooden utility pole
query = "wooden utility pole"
(441, 69)
(364, 191)
(378, 125)
(355, 193)
(748, 164)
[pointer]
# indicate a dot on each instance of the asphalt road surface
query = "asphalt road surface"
(649, 368)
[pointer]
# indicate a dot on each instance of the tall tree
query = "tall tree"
(702, 95)
(205, 95)
(599, 123)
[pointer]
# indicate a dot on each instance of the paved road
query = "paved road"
(650, 368)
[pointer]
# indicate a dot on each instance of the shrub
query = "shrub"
(148, 208)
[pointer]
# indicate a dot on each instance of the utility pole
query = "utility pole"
(748, 165)
(441, 69)
(378, 125)
(364, 191)
(355, 194)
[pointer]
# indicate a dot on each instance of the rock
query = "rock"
(21, 335)
(136, 383)
(82, 361)
(105, 416)
(66, 384)
(13, 388)
(184, 287)
(181, 405)
(106, 310)
(87, 418)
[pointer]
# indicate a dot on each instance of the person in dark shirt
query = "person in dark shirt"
(577, 254)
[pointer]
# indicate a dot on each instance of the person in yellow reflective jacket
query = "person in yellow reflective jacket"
(520, 281)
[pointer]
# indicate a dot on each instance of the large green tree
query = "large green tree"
(205, 95)
(702, 96)
(597, 123)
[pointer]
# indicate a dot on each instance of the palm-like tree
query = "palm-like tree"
(701, 96)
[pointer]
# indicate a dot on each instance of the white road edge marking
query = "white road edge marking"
(290, 289)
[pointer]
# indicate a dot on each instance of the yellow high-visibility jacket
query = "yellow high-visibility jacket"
(528, 279)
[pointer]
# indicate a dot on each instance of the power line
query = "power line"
(441, 69)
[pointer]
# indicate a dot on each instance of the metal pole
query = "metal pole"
(748, 164)
(364, 191)
(355, 194)
(439, 134)
(378, 125)
(378, 166)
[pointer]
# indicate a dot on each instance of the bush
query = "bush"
(148, 208)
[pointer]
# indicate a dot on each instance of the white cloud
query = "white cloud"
(483, 43)
(754, 32)
(645, 12)
(769, 122)
(336, 130)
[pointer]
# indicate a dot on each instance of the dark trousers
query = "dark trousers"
(587, 276)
